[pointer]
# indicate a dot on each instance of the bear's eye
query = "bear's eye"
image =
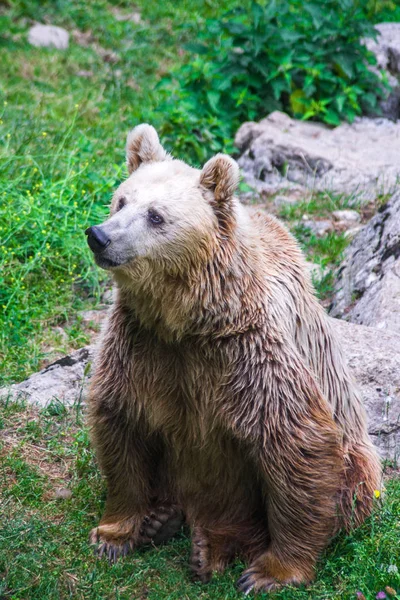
(121, 203)
(155, 218)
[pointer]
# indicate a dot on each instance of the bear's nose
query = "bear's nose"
(97, 239)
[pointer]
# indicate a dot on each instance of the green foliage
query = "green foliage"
(300, 56)
(380, 11)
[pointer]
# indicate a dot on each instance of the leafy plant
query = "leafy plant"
(383, 10)
(299, 56)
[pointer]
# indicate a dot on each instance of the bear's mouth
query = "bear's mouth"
(106, 263)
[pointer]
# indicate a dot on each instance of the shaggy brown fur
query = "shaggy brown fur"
(220, 391)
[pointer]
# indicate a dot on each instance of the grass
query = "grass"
(44, 553)
(326, 251)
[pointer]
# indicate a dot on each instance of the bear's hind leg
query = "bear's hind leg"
(362, 477)
(267, 573)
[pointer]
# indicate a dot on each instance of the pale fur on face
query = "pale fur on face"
(185, 199)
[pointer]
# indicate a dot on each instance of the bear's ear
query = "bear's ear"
(220, 175)
(142, 146)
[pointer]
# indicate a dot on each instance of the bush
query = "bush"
(303, 57)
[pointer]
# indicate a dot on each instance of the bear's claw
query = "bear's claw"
(251, 580)
(112, 551)
(244, 585)
(157, 527)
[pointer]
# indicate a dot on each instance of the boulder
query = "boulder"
(386, 47)
(318, 227)
(367, 289)
(63, 380)
(48, 36)
(360, 159)
(387, 52)
(374, 358)
(346, 216)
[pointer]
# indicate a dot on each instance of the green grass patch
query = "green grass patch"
(326, 251)
(320, 204)
(44, 552)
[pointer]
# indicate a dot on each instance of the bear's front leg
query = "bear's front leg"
(291, 435)
(128, 457)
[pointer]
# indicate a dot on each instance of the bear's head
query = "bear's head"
(166, 213)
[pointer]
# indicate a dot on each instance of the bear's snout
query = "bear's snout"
(97, 239)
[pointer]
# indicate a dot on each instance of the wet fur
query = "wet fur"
(220, 389)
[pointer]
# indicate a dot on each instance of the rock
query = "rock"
(62, 380)
(360, 159)
(390, 107)
(319, 228)
(353, 231)
(61, 333)
(108, 296)
(386, 47)
(48, 36)
(347, 216)
(62, 494)
(374, 359)
(387, 52)
(368, 283)
(93, 317)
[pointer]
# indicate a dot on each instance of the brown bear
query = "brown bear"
(220, 395)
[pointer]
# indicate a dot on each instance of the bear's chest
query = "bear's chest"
(178, 388)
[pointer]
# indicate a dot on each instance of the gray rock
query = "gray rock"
(108, 296)
(360, 159)
(63, 380)
(346, 216)
(387, 51)
(390, 106)
(62, 494)
(353, 231)
(386, 47)
(48, 36)
(93, 317)
(374, 359)
(368, 283)
(319, 228)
